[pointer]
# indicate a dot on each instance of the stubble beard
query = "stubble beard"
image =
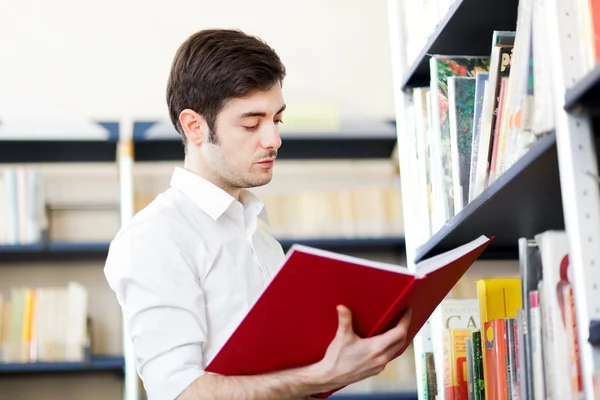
(226, 176)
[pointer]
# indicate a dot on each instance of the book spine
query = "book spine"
(479, 386)
(539, 392)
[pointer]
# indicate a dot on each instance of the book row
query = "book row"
(517, 339)
(44, 324)
(22, 207)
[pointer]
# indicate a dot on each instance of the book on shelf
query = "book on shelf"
(526, 346)
(23, 216)
(309, 287)
(44, 324)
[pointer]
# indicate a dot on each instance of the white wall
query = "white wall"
(110, 59)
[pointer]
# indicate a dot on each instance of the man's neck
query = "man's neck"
(206, 174)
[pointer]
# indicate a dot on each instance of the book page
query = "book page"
(432, 264)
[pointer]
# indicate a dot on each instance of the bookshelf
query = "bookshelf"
(376, 396)
(359, 244)
(50, 262)
(51, 150)
(53, 251)
(159, 141)
(553, 186)
(532, 183)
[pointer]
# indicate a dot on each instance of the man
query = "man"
(190, 265)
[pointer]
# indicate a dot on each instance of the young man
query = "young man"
(190, 265)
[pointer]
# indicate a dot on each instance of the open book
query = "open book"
(295, 319)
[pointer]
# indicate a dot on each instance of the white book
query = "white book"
(76, 322)
(554, 250)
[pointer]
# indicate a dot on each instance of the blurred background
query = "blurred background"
(79, 79)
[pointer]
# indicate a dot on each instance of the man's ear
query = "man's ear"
(194, 126)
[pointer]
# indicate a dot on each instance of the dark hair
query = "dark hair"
(215, 65)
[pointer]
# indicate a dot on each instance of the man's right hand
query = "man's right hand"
(350, 359)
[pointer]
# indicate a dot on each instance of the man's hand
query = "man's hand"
(350, 359)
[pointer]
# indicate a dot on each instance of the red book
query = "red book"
(295, 319)
(495, 360)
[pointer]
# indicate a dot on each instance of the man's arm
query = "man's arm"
(348, 359)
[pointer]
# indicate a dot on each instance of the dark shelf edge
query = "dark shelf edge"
(581, 94)
(349, 243)
(594, 334)
(400, 395)
(96, 364)
(542, 145)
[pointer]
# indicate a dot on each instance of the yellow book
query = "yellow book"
(26, 329)
(499, 298)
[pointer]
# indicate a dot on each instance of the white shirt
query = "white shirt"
(186, 270)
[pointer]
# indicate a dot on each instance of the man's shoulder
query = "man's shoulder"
(162, 220)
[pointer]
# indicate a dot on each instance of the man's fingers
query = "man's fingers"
(400, 331)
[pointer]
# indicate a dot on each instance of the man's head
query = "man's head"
(224, 98)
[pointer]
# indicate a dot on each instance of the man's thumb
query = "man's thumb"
(344, 319)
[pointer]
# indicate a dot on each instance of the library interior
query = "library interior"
(423, 142)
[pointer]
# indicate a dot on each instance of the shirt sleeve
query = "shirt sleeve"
(163, 309)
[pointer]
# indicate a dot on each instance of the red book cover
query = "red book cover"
(495, 359)
(295, 319)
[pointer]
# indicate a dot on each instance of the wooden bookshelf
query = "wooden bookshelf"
(524, 200)
(466, 29)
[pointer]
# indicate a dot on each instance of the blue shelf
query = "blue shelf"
(524, 200)
(376, 396)
(106, 363)
(53, 251)
(159, 141)
(355, 244)
(51, 151)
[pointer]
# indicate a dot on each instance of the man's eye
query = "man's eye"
(251, 128)
(279, 121)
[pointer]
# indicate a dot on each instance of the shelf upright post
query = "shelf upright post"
(125, 156)
(404, 128)
(578, 175)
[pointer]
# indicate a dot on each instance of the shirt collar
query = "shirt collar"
(213, 200)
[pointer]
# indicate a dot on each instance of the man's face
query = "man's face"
(247, 140)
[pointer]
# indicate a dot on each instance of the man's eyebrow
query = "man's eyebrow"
(260, 113)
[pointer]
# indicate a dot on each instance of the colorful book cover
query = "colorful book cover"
(451, 314)
(481, 83)
(455, 360)
(495, 360)
(461, 96)
(443, 67)
(502, 43)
